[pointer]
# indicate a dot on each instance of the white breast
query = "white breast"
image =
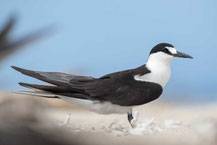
(158, 75)
(159, 65)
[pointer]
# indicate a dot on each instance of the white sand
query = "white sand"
(158, 123)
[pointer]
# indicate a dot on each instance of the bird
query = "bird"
(114, 93)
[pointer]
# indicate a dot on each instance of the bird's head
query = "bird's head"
(166, 52)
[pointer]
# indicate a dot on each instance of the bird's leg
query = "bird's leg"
(67, 120)
(132, 119)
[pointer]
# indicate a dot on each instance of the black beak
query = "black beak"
(183, 55)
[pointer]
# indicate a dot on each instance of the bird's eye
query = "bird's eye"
(167, 51)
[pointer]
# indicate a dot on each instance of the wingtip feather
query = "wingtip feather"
(16, 68)
(26, 85)
(23, 71)
(23, 84)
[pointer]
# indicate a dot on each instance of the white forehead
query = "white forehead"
(171, 49)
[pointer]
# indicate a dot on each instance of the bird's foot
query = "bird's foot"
(133, 118)
(67, 120)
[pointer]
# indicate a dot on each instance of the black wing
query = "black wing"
(121, 88)
(60, 83)
(55, 78)
(118, 88)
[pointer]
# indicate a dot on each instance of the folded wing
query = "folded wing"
(118, 88)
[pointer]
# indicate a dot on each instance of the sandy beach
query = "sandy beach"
(158, 123)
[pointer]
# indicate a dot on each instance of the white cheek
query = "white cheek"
(172, 50)
(160, 57)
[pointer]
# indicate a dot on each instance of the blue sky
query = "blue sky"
(95, 37)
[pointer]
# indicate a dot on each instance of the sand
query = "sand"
(158, 123)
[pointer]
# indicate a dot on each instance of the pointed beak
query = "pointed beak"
(183, 55)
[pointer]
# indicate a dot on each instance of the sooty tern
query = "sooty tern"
(117, 92)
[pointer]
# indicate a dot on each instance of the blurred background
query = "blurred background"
(98, 37)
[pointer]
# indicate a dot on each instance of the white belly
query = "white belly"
(98, 107)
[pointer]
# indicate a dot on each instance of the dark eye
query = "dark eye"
(167, 51)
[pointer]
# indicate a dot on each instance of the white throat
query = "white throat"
(159, 65)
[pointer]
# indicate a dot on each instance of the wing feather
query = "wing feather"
(55, 78)
(121, 88)
(118, 88)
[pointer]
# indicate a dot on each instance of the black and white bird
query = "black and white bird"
(117, 92)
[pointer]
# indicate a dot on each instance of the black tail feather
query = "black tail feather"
(55, 90)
